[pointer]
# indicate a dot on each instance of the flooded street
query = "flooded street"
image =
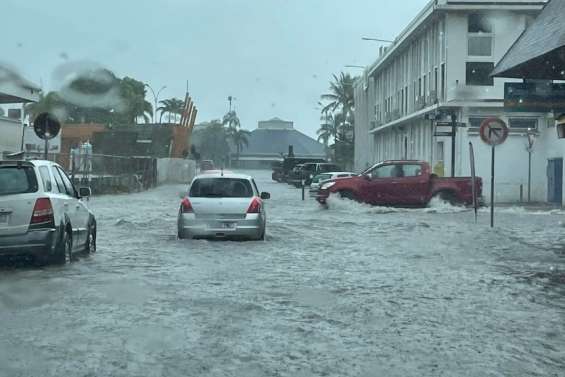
(348, 291)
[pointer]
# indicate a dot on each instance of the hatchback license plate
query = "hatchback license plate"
(228, 225)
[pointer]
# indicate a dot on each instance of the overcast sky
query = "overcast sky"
(276, 57)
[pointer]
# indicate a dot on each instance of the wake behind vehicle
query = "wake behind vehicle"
(320, 179)
(401, 183)
(223, 205)
(42, 215)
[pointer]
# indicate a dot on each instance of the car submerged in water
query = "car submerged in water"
(225, 206)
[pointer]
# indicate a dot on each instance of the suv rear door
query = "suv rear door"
(18, 191)
(75, 209)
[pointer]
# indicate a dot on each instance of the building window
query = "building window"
(523, 123)
(480, 36)
(443, 82)
(475, 122)
(479, 23)
(478, 73)
(479, 46)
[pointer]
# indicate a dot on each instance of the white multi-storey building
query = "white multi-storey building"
(439, 67)
(14, 92)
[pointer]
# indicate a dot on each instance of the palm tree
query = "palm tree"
(133, 95)
(48, 103)
(340, 97)
(231, 120)
(239, 138)
(171, 106)
(328, 129)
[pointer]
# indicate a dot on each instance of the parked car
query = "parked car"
(42, 214)
(308, 170)
(223, 206)
(282, 172)
(320, 179)
(206, 165)
(401, 183)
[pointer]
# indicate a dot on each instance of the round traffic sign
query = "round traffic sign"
(493, 131)
(46, 126)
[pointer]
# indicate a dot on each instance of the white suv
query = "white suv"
(42, 214)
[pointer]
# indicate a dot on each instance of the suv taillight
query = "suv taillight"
(186, 206)
(43, 214)
(255, 206)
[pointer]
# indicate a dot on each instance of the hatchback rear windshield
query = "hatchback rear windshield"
(329, 168)
(14, 180)
(221, 188)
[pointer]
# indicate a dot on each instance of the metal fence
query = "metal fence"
(106, 173)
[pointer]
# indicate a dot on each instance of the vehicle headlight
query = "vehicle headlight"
(326, 186)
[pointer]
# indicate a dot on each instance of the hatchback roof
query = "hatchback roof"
(218, 174)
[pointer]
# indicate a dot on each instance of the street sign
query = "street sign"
(493, 131)
(46, 126)
(447, 133)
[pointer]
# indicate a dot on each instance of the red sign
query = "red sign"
(493, 131)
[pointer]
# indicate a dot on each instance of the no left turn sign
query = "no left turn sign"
(493, 131)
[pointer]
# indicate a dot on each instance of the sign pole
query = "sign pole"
(473, 179)
(46, 149)
(492, 188)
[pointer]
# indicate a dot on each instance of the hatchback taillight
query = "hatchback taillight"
(255, 206)
(186, 206)
(43, 213)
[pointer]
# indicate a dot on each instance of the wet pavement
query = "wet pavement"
(348, 291)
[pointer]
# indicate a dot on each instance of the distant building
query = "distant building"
(270, 141)
(14, 93)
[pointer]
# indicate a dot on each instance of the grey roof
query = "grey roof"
(270, 142)
(539, 53)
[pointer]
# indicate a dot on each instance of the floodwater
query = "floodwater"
(348, 291)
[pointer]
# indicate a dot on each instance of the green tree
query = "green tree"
(213, 140)
(231, 120)
(48, 103)
(340, 98)
(172, 106)
(240, 139)
(133, 93)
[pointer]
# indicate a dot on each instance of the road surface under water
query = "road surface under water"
(348, 291)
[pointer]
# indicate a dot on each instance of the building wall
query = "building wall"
(401, 130)
(11, 135)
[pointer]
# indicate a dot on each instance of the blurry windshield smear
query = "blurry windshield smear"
(282, 188)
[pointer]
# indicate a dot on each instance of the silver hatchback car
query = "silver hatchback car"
(223, 205)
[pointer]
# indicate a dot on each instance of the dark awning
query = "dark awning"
(539, 53)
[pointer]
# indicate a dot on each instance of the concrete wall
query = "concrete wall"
(175, 170)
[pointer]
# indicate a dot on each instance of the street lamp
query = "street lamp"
(377, 40)
(532, 134)
(155, 98)
(354, 66)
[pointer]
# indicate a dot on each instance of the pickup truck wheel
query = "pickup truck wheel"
(346, 195)
(446, 196)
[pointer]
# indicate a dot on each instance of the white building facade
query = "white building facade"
(14, 93)
(438, 68)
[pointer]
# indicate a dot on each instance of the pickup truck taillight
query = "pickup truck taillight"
(42, 216)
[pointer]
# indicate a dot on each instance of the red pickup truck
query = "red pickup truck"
(401, 183)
